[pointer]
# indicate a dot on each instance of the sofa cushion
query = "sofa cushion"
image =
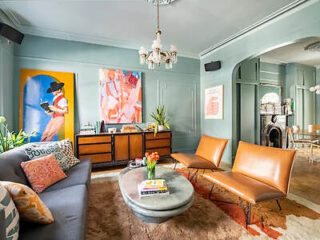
(79, 174)
(66, 146)
(68, 207)
(43, 172)
(38, 150)
(11, 219)
(10, 169)
(28, 203)
(2, 225)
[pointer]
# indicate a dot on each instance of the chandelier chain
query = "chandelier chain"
(158, 19)
(157, 55)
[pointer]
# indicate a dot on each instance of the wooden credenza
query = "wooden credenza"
(117, 149)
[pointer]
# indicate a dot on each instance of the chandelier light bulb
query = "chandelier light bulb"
(173, 48)
(143, 55)
(315, 89)
(168, 64)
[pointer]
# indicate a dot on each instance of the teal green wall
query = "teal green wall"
(6, 80)
(271, 73)
(177, 89)
(299, 79)
(302, 22)
(6, 76)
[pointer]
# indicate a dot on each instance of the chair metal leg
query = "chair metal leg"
(174, 168)
(211, 190)
(248, 215)
(196, 173)
(279, 206)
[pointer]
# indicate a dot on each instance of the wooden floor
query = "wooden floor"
(305, 179)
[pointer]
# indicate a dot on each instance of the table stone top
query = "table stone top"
(180, 189)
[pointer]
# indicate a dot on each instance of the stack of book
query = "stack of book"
(270, 108)
(87, 129)
(277, 108)
(153, 187)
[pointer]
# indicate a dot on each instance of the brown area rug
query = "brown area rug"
(110, 218)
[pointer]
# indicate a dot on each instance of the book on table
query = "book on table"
(153, 187)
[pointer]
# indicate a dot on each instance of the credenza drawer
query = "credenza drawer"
(158, 143)
(97, 158)
(94, 148)
(98, 139)
(158, 136)
(161, 151)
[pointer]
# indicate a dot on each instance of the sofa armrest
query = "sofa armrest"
(2, 224)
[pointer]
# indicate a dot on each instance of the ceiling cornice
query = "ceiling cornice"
(252, 27)
(49, 33)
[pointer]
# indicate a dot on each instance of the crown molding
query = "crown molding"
(89, 39)
(252, 27)
(10, 15)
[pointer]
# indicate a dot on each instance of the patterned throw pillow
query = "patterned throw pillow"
(36, 150)
(43, 172)
(67, 149)
(28, 203)
(11, 215)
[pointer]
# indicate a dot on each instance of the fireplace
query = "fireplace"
(273, 131)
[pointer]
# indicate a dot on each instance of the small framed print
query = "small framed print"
(214, 102)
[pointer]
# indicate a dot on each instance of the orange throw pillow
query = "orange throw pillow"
(43, 172)
(28, 203)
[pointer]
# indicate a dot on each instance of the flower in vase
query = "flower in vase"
(151, 164)
(152, 158)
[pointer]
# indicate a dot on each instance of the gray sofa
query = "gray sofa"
(67, 200)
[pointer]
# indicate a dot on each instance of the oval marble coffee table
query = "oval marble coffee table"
(156, 209)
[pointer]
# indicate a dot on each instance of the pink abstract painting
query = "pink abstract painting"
(120, 96)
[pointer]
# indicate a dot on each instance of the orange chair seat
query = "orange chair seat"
(193, 161)
(245, 187)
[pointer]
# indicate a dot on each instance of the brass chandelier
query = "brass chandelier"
(157, 55)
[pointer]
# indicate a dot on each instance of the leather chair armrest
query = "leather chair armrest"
(2, 224)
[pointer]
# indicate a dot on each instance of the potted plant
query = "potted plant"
(151, 164)
(10, 140)
(161, 119)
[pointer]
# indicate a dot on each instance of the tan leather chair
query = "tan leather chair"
(208, 155)
(259, 174)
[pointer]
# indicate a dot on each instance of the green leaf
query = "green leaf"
(156, 129)
(167, 125)
(2, 119)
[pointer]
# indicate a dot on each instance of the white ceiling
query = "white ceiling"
(191, 25)
(294, 53)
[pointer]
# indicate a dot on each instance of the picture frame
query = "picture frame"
(214, 103)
